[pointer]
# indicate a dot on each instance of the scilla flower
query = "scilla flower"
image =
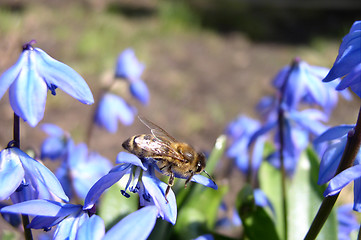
(129, 68)
(348, 61)
(32, 76)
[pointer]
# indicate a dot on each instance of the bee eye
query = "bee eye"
(199, 168)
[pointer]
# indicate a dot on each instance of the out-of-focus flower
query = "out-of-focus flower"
(129, 68)
(348, 61)
(337, 137)
(140, 91)
(205, 237)
(81, 169)
(56, 145)
(347, 222)
(23, 178)
(304, 85)
(240, 131)
(112, 109)
(33, 74)
(298, 126)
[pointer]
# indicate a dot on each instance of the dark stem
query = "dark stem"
(16, 135)
(283, 171)
(281, 121)
(348, 157)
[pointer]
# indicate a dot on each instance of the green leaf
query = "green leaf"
(270, 183)
(304, 200)
(199, 214)
(114, 206)
(256, 221)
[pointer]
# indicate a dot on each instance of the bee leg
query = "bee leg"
(170, 184)
(188, 180)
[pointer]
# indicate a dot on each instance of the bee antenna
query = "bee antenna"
(209, 176)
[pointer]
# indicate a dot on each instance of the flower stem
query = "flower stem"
(348, 157)
(16, 135)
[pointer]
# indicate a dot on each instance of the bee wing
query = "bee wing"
(156, 130)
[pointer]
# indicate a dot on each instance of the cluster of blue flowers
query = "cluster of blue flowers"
(83, 175)
(304, 100)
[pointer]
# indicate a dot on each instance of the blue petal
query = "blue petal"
(68, 228)
(128, 66)
(156, 189)
(52, 148)
(342, 179)
(351, 78)
(101, 185)
(91, 229)
(204, 181)
(140, 91)
(124, 157)
(205, 237)
(42, 179)
(11, 173)
(357, 194)
(111, 109)
(333, 133)
(63, 76)
(9, 76)
(137, 225)
(85, 174)
(330, 161)
(52, 129)
(257, 153)
(28, 93)
(40, 207)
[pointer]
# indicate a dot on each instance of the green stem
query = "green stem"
(16, 135)
(348, 157)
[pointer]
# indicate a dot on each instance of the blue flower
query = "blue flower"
(142, 180)
(347, 222)
(112, 109)
(129, 68)
(137, 225)
(81, 169)
(337, 138)
(33, 74)
(56, 145)
(23, 178)
(348, 61)
(298, 126)
(74, 223)
(240, 131)
(304, 85)
(68, 217)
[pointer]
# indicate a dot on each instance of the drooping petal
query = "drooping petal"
(156, 189)
(52, 129)
(92, 229)
(140, 91)
(9, 76)
(112, 109)
(330, 161)
(101, 185)
(357, 195)
(342, 179)
(11, 173)
(124, 157)
(63, 77)
(351, 78)
(44, 222)
(28, 93)
(333, 133)
(68, 228)
(137, 225)
(42, 179)
(52, 148)
(204, 181)
(128, 66)
(40, 207)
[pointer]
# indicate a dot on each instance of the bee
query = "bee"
(172, 158)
